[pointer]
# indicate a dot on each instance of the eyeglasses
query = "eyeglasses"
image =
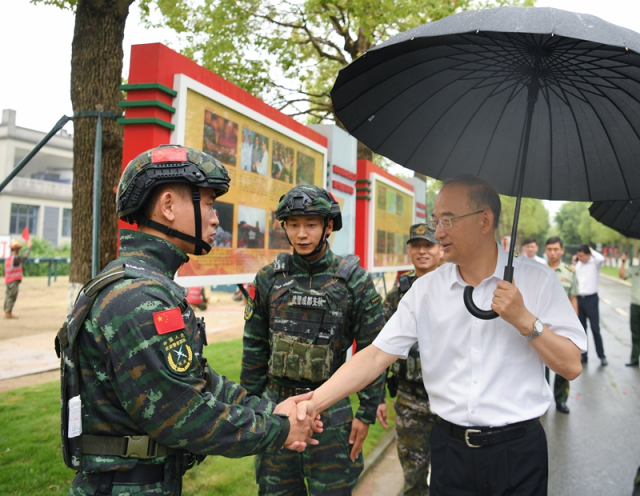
(447, 222)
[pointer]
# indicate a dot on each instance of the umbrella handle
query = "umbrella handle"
(473, 309)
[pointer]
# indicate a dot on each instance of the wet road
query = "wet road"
(595, 450)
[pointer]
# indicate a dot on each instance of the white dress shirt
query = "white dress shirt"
(480, 372)
(588, 274)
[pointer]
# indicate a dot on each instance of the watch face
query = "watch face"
(538, 326)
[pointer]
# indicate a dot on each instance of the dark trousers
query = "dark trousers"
(588, 309)
(560, 387)
(516, 468)
(635, 332)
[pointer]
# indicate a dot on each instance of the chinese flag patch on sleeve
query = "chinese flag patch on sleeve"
(168, 320)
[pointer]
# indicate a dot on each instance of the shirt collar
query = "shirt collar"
(498, 272)
(320, 265)
(151, 251)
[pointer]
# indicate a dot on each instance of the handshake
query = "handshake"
(302, 424)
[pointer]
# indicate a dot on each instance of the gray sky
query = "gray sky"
(36, 54)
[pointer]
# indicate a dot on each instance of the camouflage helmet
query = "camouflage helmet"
(167, 164)
(309, 200)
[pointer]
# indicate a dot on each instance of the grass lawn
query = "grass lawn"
(31, 460)
(611, 271)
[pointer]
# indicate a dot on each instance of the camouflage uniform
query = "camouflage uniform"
(567, 275)
(414, 419)
(326, 467)
(133, 381)
(14, 286)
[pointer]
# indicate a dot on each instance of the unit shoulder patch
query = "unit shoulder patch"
(177, 352)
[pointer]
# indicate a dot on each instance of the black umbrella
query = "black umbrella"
(488, 92)
(622, 216)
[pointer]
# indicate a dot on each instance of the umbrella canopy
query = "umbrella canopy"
(622, 216)
(453, 96)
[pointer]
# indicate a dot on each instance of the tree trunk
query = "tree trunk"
(96, 72)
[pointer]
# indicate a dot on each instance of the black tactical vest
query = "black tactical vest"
(307, 327)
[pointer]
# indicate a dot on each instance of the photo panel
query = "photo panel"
(305, 169)
(254, 156)
(224, 231)
(282, 162)
(251, 222)
(277, 237)
(220, 138)
(381, 244)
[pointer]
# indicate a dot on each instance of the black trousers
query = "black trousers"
(588, 309)
(516, 468)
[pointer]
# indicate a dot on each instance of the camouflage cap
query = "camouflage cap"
(422, 231)
(167, 164)
(309, 200)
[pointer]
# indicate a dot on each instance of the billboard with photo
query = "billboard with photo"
(392, 213)
(264, 161)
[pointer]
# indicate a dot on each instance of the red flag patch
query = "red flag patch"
(252, 291)
(168, 320)
(168, 154)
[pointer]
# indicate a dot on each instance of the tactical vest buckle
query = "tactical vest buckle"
(139, 447)
(303, 390)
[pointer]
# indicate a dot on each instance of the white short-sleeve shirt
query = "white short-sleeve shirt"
(480, 372)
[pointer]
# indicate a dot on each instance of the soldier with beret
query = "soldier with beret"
(140, 404)
(414, 419)
(303, 313)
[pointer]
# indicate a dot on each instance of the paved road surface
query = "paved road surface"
(595, 450)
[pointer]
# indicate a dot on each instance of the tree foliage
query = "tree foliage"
(576, 226)
(534, 219)
(289, 52)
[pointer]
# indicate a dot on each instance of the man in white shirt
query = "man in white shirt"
(587, 263)
(530, 250)
(485, 379)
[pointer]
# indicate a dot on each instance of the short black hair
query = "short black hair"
(584, 249)
(553, 240)
(481, 193)
(529, 240)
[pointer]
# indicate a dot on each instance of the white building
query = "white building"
(39, 197)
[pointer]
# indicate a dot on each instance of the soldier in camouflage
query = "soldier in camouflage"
(567, 274)
(139, 403)
(414, 419)
(302, 315)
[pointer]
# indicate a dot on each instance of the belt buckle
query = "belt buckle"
(302, 390)
(138, 447)
(466, 438)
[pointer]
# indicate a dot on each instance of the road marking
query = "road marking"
(621, 312)
(608, 302)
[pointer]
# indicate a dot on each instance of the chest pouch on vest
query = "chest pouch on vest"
(411, 368)
(307, 329)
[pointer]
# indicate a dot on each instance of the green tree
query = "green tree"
(534, 219)
(96, 71)
(290, 52)
(576, 226)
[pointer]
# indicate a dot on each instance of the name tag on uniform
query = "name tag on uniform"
(75, 417)
(307, 301)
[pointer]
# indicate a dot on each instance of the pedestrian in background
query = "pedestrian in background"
(414, 419)
(554, 250)
(634, 273)
(13, 276)
(530, 250)
(303, 313)
(485, 378)
(587, 263)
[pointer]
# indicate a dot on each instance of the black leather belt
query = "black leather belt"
(287, 392)
(477, 437)
(140, 475)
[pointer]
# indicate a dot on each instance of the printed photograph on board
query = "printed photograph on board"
(220, 138)
(305, 169)
(251, 223)
(382, 197)
(393, 216)
(391, 243)
(381, 244)
(277, 236)
(255, 152)
(282, 163)
(224, 231)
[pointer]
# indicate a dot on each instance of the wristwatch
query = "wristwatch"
(538, 327)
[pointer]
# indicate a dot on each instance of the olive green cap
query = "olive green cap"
(422, 231)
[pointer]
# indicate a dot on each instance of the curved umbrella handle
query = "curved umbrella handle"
(473, 309)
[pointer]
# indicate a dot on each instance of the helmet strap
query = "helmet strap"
(195, 196)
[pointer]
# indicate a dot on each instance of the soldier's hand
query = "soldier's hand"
(381, 415)
(300, 431)
(359, 431)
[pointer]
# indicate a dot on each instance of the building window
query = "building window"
(66, 222)
(23, 216)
